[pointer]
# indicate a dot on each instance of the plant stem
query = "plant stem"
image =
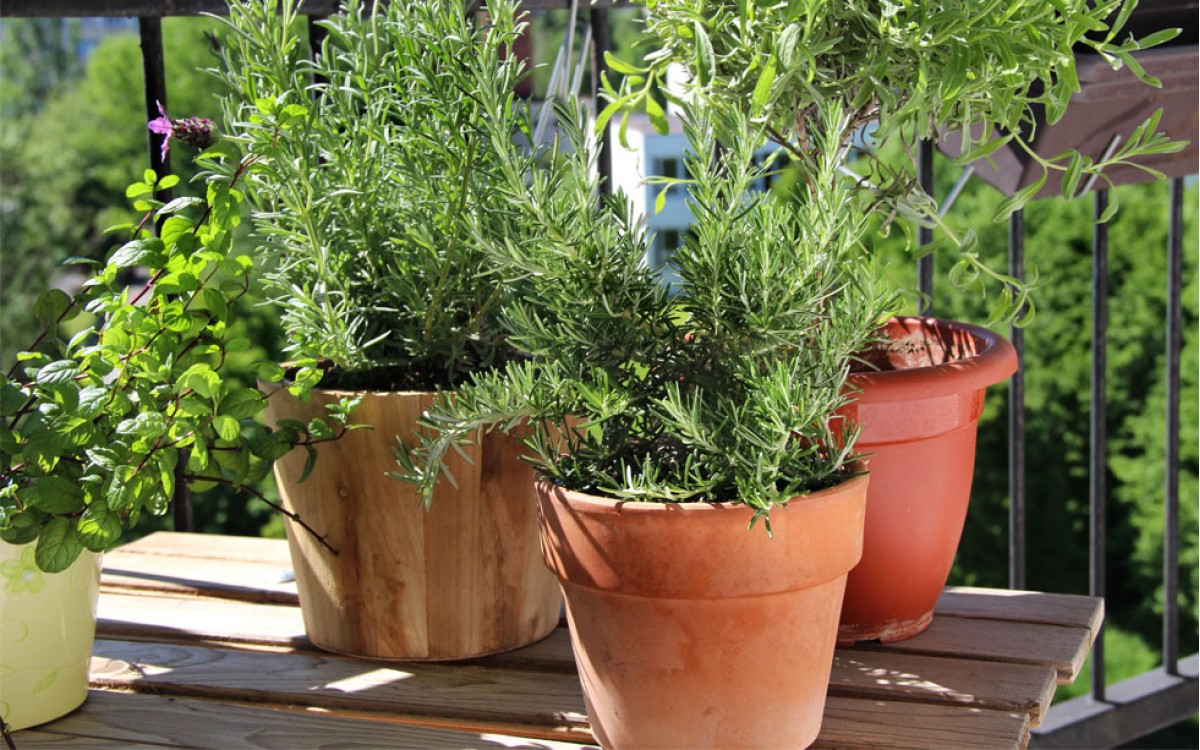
(323, 540)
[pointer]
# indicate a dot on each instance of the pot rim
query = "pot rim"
(996, 361)
(600, 503)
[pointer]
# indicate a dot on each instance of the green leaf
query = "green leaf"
(137, 253)
(54, 495)
(787, 45)
(61, 371)
(242, 404)
(92, 401)
(199, 378)
(227, 427)
(319, 429)
(57, 546)
(706, 61)
(762, 89)
(660, 200)
(23, 528)
(49, 305)
(270, 372)
(620, 66)
(99, 527)
(11, 399)
(658, 118)
(310, 462)
(1070, 182)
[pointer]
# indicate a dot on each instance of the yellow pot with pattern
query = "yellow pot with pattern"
(47, 625)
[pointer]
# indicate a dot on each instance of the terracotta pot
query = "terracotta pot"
(47, 626)
(918, 417)
(461, 580)
(691, 630)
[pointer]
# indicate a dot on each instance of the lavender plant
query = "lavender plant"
(909, 70)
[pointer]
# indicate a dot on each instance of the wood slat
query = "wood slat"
(184, 619)
(110, 720)
(544, 706)
(261, 582)
(38, 739)
(857, 672)
(1085, 612)
(875, 725)
(1062, 648)
(175, 544)
(550, 705)
(882, 675)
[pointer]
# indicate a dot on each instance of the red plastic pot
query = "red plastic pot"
(919, 416)
(689, 629)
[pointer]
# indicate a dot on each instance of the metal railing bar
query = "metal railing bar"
(1171, 489)
(164, 8)
(601, 43)
(154, 79)
(925, 233)
(1098, 445)
(1016, 417)
(1134, 708)
(134, 8)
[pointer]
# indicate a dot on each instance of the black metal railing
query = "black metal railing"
(1111, 714)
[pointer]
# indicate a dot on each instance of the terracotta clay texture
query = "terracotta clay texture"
(461, 580)
(691, 630)
(918, 415)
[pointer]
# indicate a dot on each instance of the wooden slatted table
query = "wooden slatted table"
(200, 645)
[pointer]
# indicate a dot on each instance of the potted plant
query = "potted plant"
(373, 193)
(904, 72)
(698, 501)
(100, 429)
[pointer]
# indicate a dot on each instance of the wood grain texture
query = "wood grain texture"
(883, 725)
(541, 706)
(1062, 648)
(1085, 612)
(39, 739)
(547, 704)
(110, 720)
(882, 675)
(462, 579)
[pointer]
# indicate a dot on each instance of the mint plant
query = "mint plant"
(908, 70)
(374, 182)
(99, 429)
(724, 388)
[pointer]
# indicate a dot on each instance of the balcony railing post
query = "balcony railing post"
(601, 43)
(925, 233)
(1098, 448)
(155, 80)
(155, 84)
(1016, 417)
(1171, 489)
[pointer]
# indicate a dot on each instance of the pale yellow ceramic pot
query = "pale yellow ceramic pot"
(47, 625)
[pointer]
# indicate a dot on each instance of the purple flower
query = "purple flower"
(194, 131)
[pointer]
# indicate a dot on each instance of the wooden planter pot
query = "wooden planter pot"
(47, 625)
(919, 418)
(689, 629)
(461, 580)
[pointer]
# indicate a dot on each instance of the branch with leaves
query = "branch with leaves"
(95, 426)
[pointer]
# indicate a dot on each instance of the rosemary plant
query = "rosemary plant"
(910, 69)
(721, 389)
(375, 184)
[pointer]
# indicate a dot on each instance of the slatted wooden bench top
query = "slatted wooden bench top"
(200, 644)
